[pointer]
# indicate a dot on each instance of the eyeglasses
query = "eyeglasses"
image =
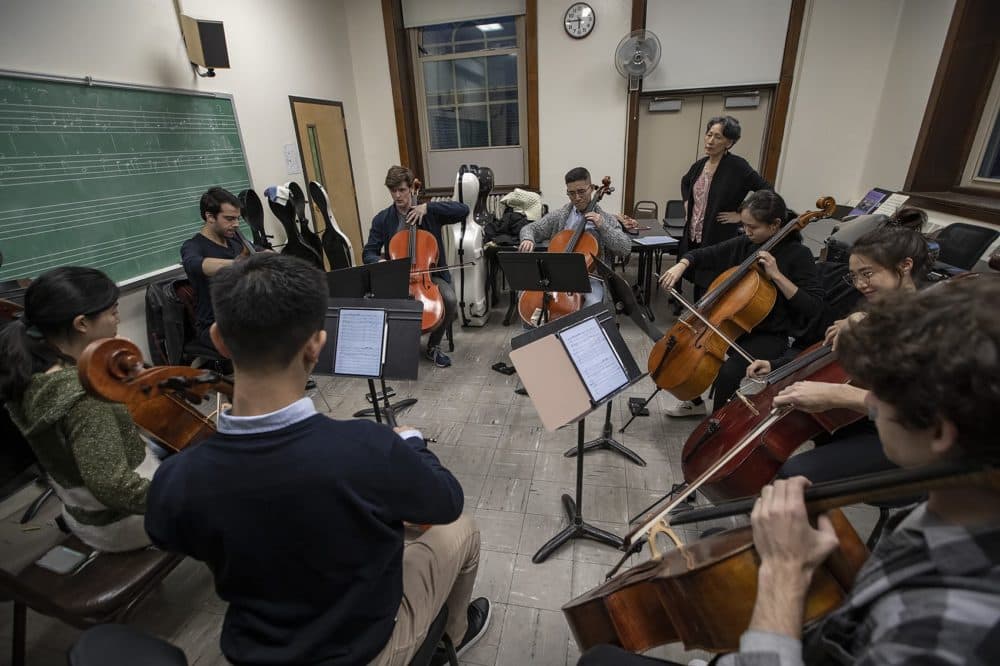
(574, 194)
(854, 279)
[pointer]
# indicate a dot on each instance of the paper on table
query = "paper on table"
(892, 204)
(360, 337)
(655, 240)
(594, 357)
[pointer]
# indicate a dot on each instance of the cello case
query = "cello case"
(309, 235)
(464, 243)
(279, 198)
(252, 211)
(336, 245)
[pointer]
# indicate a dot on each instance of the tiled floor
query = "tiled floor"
(513, 473)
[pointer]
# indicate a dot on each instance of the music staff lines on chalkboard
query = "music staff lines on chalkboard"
(110, 252)
(67, 216)
(125, 202)
(137, 166)
(108, 175)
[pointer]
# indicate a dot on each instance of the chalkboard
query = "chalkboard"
(107, 175)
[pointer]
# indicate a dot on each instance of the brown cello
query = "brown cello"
(421, 248)
(688, 358)
(703, 594)
(560, 304)
(774, 433)
(160, 399)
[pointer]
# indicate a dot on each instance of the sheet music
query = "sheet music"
(360, 343)
(594, 357)
(892, 204)
(655, 240)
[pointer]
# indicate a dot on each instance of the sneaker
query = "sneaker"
(686, 408)
(480, 611)
(310, 384)
(439, 359)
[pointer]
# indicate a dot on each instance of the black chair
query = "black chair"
(436, 638)
(962, 245)
(674, 218)
(194, 352)
(122, 644)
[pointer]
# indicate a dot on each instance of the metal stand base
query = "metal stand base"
(387, 410)
(606, 441)
(577, 529)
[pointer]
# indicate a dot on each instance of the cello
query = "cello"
(688, 358)
(703, 594)
(160, 399)
(774, 433)
(560, 304)
(421, 248)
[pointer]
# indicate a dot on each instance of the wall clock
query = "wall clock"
(579, 20)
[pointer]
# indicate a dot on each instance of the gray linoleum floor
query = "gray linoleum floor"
(513, 473)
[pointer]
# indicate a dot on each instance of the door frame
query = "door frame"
(292, 99)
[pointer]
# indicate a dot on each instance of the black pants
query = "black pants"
(450, 311)
(851, 451)
(609, 655)
(734, 369)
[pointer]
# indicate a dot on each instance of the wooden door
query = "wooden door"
(326, 158)
(670, 141)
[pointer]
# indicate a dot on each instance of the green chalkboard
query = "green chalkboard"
(108, 176)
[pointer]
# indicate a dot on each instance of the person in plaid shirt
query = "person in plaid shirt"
(930, 591)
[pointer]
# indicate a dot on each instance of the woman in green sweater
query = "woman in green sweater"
(95, 459)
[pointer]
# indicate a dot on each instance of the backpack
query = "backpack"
(507, 229)
(165, 323)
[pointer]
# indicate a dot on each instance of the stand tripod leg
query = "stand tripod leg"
(374, 410)
(577, 529)
(607, 441)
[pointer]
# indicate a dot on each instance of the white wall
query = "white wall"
(373, 92)
(276, 49)
(920, 35)
(582, 100)
(863, 76)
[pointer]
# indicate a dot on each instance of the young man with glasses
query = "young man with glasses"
(214, 247)
(610, 237)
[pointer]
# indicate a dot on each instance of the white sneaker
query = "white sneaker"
(686, 408)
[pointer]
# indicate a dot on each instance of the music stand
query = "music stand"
(564, 390)
(385, 280)
(546, 272)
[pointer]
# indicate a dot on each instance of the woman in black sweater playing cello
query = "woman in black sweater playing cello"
(790, 267)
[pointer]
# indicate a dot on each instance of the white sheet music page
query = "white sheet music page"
(360, 343)
(594, 357)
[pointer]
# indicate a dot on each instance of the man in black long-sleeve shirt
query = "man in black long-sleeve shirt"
(301, 517)
(213, 248)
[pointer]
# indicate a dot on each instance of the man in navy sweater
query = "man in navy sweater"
(301, 517)
(430, 217)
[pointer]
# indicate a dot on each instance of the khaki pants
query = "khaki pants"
(439, 568)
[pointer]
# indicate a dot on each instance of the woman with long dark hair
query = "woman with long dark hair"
(91, 450)
(790, 266)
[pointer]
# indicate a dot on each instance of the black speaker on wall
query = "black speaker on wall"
(206, 42)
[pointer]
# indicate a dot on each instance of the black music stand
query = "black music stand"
(542, 400)
(376, 284)
(546, 272)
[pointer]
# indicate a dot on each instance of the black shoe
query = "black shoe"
(520, 390)
(310, 384)
(480, 611)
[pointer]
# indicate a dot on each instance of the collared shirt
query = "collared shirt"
(929, 593)
(299, 410)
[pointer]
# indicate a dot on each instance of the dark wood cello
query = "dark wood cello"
(421, 248)
(688, 358)
(568, 240)
(160, 399)
(703, 594)
(765, 436)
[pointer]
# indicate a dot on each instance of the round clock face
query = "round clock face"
(579, 20)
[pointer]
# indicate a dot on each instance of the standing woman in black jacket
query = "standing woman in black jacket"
(713, 189)
(789, 265)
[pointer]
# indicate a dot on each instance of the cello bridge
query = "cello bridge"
(661, 527)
